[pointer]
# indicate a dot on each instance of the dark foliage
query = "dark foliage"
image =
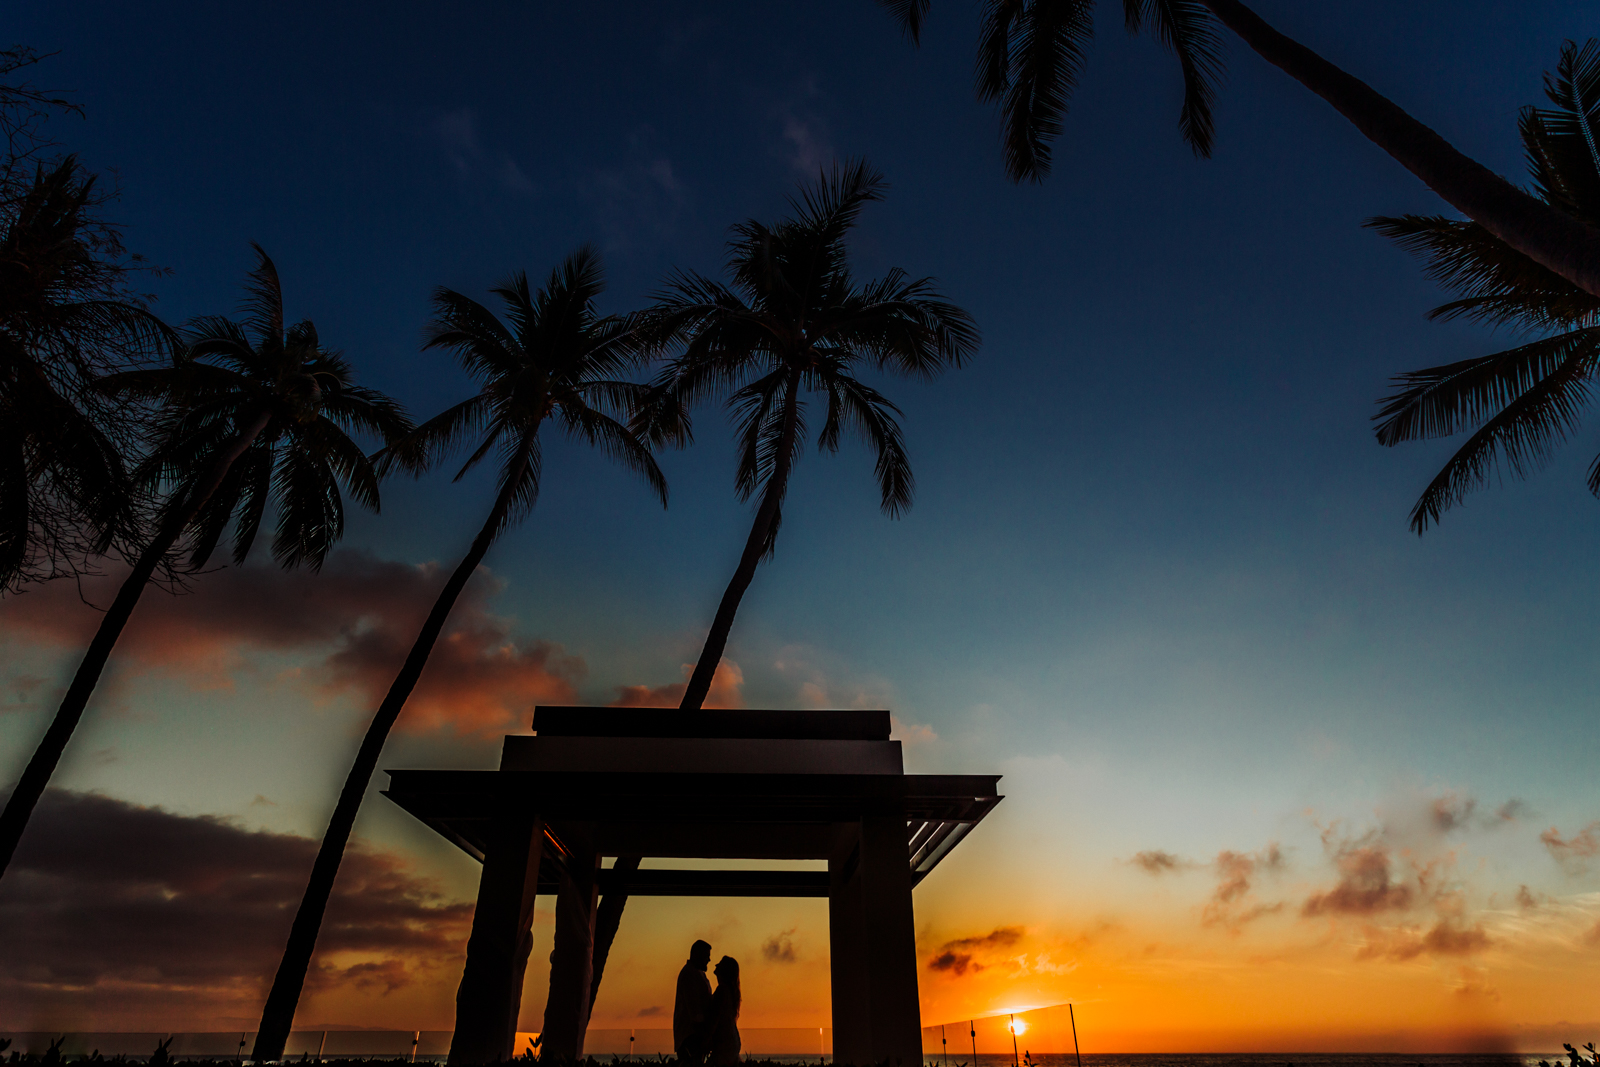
(1521, 403)
(1031, 53)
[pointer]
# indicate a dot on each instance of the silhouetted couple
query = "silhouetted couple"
(705, 1025)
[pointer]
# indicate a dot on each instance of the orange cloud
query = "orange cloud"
(960, 956)
(361, 614)
(1236, 874)
(1575, 852)
(1155, 861)
(1445, 938)
(1365, 885)
(727, 690)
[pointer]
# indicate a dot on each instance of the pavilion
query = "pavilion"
(658, 783)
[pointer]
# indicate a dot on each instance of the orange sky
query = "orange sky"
(1406, 915)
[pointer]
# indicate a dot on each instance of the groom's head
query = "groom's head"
(700, 954)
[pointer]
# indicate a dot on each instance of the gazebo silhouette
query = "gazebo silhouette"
(660, 783)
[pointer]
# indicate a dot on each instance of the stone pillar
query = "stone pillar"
(566, 1012)
(890, 942)
(847, 961)
(502, 936)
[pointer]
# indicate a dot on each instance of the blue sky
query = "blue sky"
(1158, 569)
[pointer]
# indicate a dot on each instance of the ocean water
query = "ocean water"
(652, 1046)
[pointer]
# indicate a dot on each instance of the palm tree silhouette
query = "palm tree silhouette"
(1524, 401)
(64, 323)
(555, 358)
(246, 421)
(796, 320)
(1031, 53)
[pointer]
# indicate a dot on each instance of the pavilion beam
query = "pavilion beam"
(566, 1012)
(490, 993)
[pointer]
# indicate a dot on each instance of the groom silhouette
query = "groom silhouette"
(693, 1004)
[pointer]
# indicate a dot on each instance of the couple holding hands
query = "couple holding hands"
(705, 1025)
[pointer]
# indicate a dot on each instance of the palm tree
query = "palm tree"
(247, 420)
(65, 321)
(555, 359)
(1031, 53)
(1525, 401)
(795, 320)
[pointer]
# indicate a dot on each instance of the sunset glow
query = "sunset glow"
(1279, 774)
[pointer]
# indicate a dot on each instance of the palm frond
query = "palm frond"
(1522, 436)
(1188, 29)
(617, 441)
(1442, 401)
(1498, 284)
(418, 451)
(1031, 55)
(910, 14)
(262, 308)
(876, 419)
(310, 509)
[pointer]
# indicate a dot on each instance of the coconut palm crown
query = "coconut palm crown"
(263, 422)
(1522, 403)
(794, 321)
(236, 374)
(65, 322)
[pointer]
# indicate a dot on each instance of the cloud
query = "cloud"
(961, 955)
(480, 679)
(779, 948)
(652, 1011)
(1526, 900)
(456, 132)
(360, 615)
(806, 144)
(1452, 811)
(119, 916)
(826, 680)
(641, 195)
(1512, 810)
(1236, 874)
(1575, 852)
(1365, 885)
(1155, 861)
(911, 733)
(727, 690)
(1445, 938)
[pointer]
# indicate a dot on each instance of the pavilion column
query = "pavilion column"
(566, 1012)
(890, 942)
(490, 994)
(852, 993)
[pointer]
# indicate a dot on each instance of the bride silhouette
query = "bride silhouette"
(721, 1032)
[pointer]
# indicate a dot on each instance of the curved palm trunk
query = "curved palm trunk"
(612, 905)
(278, 1015)
(19, 806)
(1549, 237)
(754, 548)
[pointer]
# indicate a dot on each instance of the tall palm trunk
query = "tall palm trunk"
(611, 907)
(754, 548)
(278, 1015)
(1549, 237)
(19, 806)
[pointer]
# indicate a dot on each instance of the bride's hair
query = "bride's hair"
(727, 972)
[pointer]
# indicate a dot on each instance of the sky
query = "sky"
(1279, 774)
